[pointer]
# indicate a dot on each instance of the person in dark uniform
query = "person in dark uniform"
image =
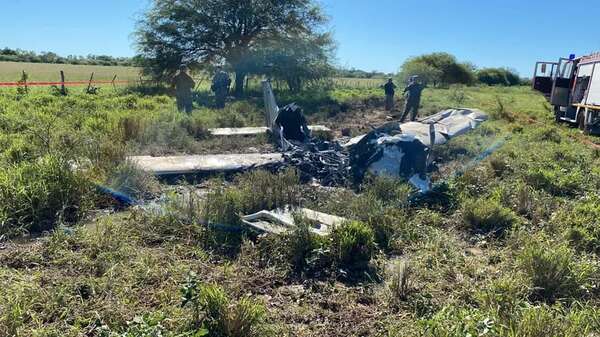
(413, 98)
(292, 121)
(183, 84)
(390, 90)
(220, 86)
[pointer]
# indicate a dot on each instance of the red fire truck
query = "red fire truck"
(572, 85)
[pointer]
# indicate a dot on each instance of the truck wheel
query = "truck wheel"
(557, 114)
(581, 121)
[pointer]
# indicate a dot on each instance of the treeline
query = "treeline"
(442, 69)
(19, 55)
(357, 73)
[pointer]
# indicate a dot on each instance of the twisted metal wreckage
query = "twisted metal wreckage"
(399, 150)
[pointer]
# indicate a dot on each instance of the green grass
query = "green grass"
(403, 267)
(48, 72)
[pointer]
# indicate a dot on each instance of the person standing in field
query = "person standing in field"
(184, 84)
(390, 90)
(413, 98)
(220, 86)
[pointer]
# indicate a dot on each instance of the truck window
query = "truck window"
(584, 74)
(545, 69)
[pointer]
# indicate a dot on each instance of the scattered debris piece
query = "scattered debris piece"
(404, 150)
(281, 220)
(325, 162)
(205, 164)
(259, 130)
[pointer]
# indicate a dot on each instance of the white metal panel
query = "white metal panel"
(585, 70)
(594, 91)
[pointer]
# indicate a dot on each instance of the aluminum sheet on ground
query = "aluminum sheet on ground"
(204, 163)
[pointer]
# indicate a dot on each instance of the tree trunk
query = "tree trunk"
(240, 77)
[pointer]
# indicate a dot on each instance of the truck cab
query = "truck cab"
(572, 86)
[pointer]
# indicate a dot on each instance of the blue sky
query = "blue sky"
(371, 35)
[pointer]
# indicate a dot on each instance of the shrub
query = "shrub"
(554, 272)
(305, 250)
(217, 315)
(252, 192)
(353, 246)
(390, 191)
(401, 282)
(498, 76)
(581, 224)
(555, 180)
(35, 196)
(386, 225)
(128, 179)
(487, 216)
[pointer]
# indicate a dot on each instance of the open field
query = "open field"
(41, 72)
(507, 246)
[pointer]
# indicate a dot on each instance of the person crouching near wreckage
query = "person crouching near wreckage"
(292, 125)
(413, 98)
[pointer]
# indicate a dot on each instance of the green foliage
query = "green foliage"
(306, 251)
(252, 192)
(438, 69)
(35, 196)
(172, 33)
(295, 60)
(555, 180)
(353, 246)
(555, 272)
(498, 76)
(217, 315)
(133, 182)
(581, 224)
(487, 216)
(18, 55)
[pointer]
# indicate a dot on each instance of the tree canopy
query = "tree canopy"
(498, 76)
(438, 69)
(221, 32)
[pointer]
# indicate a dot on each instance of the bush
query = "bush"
(35, 196)
(305, 250)
(498, 76)
(217, 315)
(582, 224)
(389, 191)
(128, 179)
(353, 246)
(438, 68)
(555, 180)
(554, 272)
(252, 192)
(487, 216)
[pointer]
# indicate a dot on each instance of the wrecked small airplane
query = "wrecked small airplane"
(399, 150)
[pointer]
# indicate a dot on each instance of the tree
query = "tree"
(498, 76)
(216, 31)
(443, 67)
(428, 74)
(295, 60)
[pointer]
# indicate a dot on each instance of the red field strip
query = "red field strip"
(67, 84)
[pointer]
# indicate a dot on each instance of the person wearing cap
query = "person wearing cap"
(390, 90)
(220, 86)
(183, 84)
(413, 98)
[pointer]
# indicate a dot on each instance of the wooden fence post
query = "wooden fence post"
(25, 81)
(113, 82)
(63, 90)
(90, 83)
